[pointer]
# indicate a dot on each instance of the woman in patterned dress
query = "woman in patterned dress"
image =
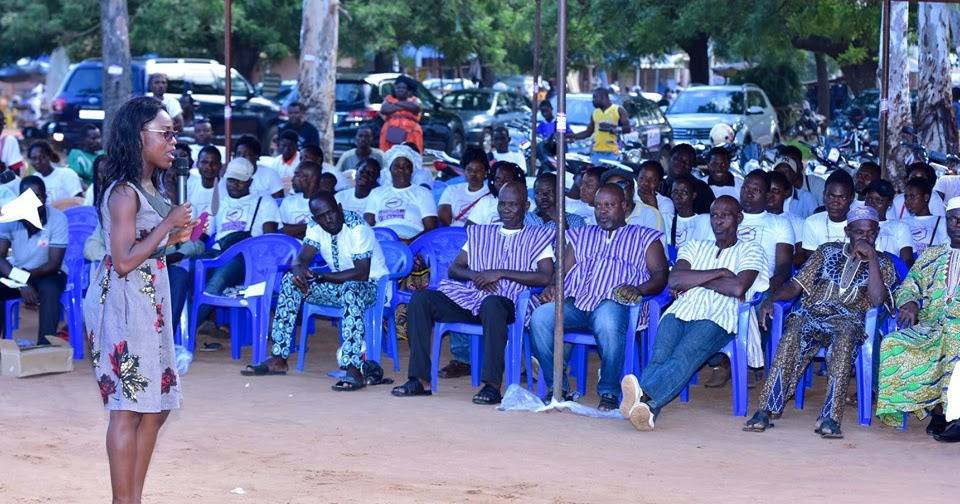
(128, 304)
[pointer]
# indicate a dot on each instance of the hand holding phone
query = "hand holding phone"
(198, 230)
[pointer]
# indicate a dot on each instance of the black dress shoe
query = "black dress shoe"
(949, 435)
(937, 424)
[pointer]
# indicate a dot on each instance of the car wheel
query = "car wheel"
(487, 142)
(455, 145)
(269, 141)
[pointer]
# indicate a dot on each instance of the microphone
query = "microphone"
(182, 167)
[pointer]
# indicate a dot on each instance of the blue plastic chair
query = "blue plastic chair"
(262, 255)
(671, 255)
(438, 188)
(736, 350)
(438, 248)
(71, 300)
(385, 234)
(399, 262)
(82, 215)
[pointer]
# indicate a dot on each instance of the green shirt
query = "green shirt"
(81, 162)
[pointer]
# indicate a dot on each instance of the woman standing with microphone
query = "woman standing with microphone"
(127, 308)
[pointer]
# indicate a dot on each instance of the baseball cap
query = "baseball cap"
(239, 169)
(787, 161)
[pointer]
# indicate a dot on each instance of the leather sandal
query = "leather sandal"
(413, 387)
(488, 395)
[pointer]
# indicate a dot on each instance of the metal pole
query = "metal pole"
(227, 103)
(532, 162)
(884, 84)
(561, 176)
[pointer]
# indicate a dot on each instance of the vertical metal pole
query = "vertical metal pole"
(561, 176)
(884, 84)
(227, 103)
(532, 162)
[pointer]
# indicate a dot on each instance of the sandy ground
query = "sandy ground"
(290, 439)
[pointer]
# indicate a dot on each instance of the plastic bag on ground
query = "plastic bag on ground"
(183, 358)
(518, 398)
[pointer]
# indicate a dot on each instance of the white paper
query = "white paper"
(19, 275)
(24, 207)
(12, 284)
(257, 289)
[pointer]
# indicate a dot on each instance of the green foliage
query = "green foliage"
(779, 80)
(33, 27)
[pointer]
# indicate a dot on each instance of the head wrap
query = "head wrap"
(395, 152)
(862, 213)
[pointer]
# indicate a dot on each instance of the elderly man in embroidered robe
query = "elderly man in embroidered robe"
(839, 283)
(498, 262)
(607, 267)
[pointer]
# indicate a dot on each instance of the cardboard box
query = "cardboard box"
(57, 357)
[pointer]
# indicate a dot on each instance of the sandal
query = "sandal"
(348, 384)
(829, 430)
(413, 387)
(759, 422)
(262, 369)
(608, 402)
(210, 347)
(488, 395)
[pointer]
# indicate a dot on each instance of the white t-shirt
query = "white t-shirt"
(295, 209)
(695, 227)
(173, 105)
(797, 222)
(420, 177)
(894, 235)
(582, 209)
(10, 151)
(355, 241)
(236, 213)
(733, 190)
(546, 254)
(899, 211)
(284, 169)
(61, 183)
(265, 183)
(461, 201)
(665, 205)
(201, 198)
(485, 212)
(927, 231)
(768, 230)
(349, 201)
(949, 185)
(401, 210)
(512, 157)
(646, 216)
(819, 229)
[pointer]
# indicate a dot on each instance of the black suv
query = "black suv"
(358, 100)
(80, 98)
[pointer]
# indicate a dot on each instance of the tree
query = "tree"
(318, 67)
(935, 122)
(117, 85)
(898, 116)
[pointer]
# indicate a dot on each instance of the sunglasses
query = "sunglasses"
(168, 135)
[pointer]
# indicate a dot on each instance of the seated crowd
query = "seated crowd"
(709, 244)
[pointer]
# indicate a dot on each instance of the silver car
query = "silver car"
(698, 109)
(482, 110)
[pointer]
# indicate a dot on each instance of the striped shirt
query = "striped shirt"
(573, 221)
(605, 263)
(490, 247)
(701, 303)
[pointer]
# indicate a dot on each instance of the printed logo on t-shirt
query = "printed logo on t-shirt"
(918, 233)
(233, 222)
(748, 233)
(393, 209)
(301, 217)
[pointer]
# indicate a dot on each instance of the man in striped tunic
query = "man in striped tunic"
(607, 267)
(709, 279)
(498, 262)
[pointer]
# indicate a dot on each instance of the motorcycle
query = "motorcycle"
(943, 163)
(827, 159)
(808, 125)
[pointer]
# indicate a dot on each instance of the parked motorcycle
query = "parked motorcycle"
(943, 163)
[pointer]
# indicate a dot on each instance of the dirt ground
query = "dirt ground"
(291, 439)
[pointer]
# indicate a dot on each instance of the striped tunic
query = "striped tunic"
(700, 303)
(603, 263)
(489, 248)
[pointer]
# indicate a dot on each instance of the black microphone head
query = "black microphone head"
(182, 166)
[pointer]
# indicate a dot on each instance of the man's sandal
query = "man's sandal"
(262, 369)
(488, 395)
(348, 384)
(759, 422)
(413, 387)
(829, 430)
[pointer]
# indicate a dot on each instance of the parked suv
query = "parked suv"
(80, 98)
(484, 109)
(699, 108)
(358, 100)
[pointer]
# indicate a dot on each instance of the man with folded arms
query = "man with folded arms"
(498, 262)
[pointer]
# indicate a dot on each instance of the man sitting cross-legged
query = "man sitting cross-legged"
(351, 250)
(709, 279)
(606, 268)
(839, 283)
(498, 262)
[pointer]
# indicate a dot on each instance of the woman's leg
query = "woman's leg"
(146, 441)
(122, 446)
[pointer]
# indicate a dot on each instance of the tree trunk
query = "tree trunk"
(823, 86)
(697, 49)
(861, 76)
(898, 117)
(117, 80)
(936, 123)
(318, 67)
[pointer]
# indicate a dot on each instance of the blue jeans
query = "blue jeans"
(180, 285)
(595, 157)
(460, 347)
(607, 323)
(680, 349)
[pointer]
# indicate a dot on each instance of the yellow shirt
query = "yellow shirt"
(604, 141)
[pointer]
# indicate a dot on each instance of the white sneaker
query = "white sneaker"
(630, 387)
(641, 417)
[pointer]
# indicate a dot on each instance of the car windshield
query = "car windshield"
(462, 100)
(349, 92)
(707, 101)
(87, 81)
